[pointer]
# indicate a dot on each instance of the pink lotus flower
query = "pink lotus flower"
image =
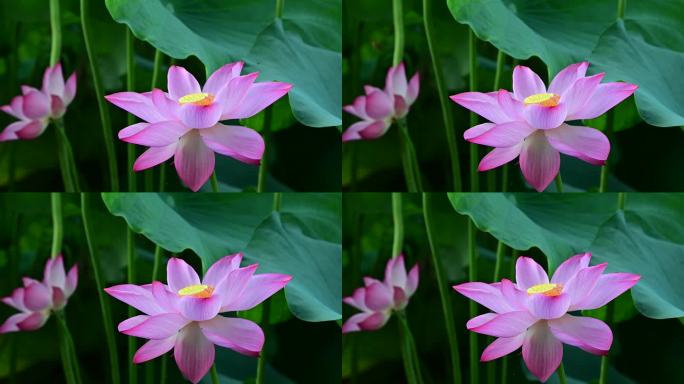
(378, 299)
(533, 312)
(184, 315)
(34, 108)
(530, 122)
(37, 299)
(379, 107)
(184, 123)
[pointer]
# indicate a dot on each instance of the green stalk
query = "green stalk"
(149, 173)
(132, 187)
(622, 4)
(610, 309)
(409, 158)
(162, 177)
(559, 183)
(472, 54)
(280, 4)
(64, 148)
(104, 304)
(442, 284)
(472, 276)
(504, 178)
(398, 220)
(561, 374)
(447, 114)
(398, 17)
(132, 341)
(57, 238)
(500, 60)
(504, 370)
(214, 182)
(263, 166)
(56, 32)
(261, 364)
(130, 87)
(409, 370)
(500, 247)
(408, 153)
(411, 346)
(214, 375)
(69, 341)
(104, 112)
(491, 366)
(158, 253)
(156, 68)
(67, 163)
(265, 312)
(11, 164)
(65, 357)
(610, 129)
(57, 225)
(164, 361)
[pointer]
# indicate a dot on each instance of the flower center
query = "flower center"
(543, 99)
(199, 291)
(545, 289)
(197, 99)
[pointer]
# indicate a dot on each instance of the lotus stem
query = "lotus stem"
(610, 129)
(472, 276)
(409, 159)
(162, 374)
(280, 5)
(265, 321)
(622, 4)
(447, 310)
(64, 148)
(500, 61)
(214, 375)
(149, 173)
(130, 87)
(412, 352)
(57, 225)
(398, 17)
(561, 374)
(559, 183)
(132, 341)
(104, 304)
(447, 114)
(65, 356)
(214, 182)
(56, 31)
(472, 56)
(398, 220)
(66, 159)
(104, 112)
(266, 310)
(69, 346)
(263, 166)
(162, 177)
(57, 237)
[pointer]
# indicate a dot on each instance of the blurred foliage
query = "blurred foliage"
(32, 165)
(643, 157)
(644, 350)
(296, 351)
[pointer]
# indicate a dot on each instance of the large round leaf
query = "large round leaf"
(281, 245)
(560, 225)
(304, 243)
(631, 243)
(559, 32)
(646, 238)
(304, 48)
(625, 53)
